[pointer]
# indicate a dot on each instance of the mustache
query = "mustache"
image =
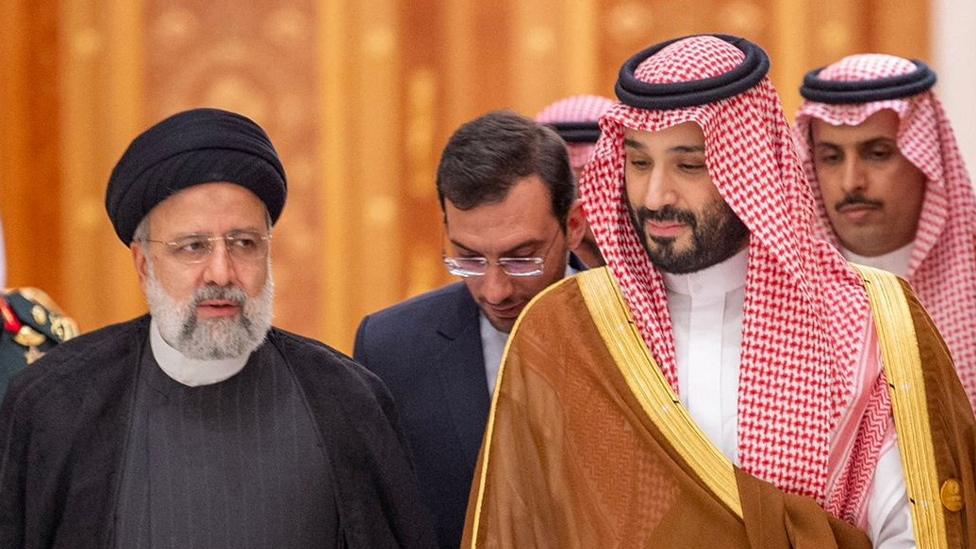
(225, 293)
(667, 213)
(856, 199)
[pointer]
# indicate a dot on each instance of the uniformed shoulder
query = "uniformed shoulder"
(32, 324)
(35, 309)
(70, 363)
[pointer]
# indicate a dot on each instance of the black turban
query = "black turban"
(191, 148)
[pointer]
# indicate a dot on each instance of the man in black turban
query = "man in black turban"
(200, 424)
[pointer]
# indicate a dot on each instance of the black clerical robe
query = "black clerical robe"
(226, 465)
(64, 425)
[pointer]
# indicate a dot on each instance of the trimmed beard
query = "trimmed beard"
(716, 235)
(214, 338)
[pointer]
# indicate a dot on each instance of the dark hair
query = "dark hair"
(486, 156)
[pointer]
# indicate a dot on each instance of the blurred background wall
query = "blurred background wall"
(359, 97)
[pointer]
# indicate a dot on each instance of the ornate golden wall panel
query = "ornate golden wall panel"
(30, 143)
(101, 105)
(359, 97)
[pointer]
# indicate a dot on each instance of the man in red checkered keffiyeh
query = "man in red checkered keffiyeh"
(891, 187)
(719, 294)
(803, 315)
(576, 120)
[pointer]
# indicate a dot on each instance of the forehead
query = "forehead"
(524, 213)
(210, 206)
(880, 125)
(684, 135)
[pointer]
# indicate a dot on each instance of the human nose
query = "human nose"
(496, 285)
(852, 178)
(659, 191)
(220, 267)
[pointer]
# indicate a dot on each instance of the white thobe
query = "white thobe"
(893, 262)
(706, 314)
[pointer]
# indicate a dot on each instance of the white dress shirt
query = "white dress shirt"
(706, 314)
(492, 346)
(189, 371)
(893, 262)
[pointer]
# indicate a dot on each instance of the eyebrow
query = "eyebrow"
(867, 143)
(879, 140)
(826, 145)
(680, 149)
(247, 229)
(633, 144)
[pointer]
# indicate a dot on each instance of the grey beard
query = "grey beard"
(215, 338)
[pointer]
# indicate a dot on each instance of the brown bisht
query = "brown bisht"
(588, 446)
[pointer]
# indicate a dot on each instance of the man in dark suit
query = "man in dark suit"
(511, 217)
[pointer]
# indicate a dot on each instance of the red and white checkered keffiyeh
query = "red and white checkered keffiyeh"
(942, 268)
(805, 312)
(576, 108)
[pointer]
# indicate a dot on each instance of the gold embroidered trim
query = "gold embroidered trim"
(623, 340)
(903, 368)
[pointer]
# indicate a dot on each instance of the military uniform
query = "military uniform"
(32, 324)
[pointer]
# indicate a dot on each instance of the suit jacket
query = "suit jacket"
(64, 421)
(428, 352)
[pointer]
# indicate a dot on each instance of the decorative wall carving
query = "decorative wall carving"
(359, 97)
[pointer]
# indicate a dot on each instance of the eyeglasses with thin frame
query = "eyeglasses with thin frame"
(519, 267)
(246, 246)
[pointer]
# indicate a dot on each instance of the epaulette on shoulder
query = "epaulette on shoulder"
(33, 321)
